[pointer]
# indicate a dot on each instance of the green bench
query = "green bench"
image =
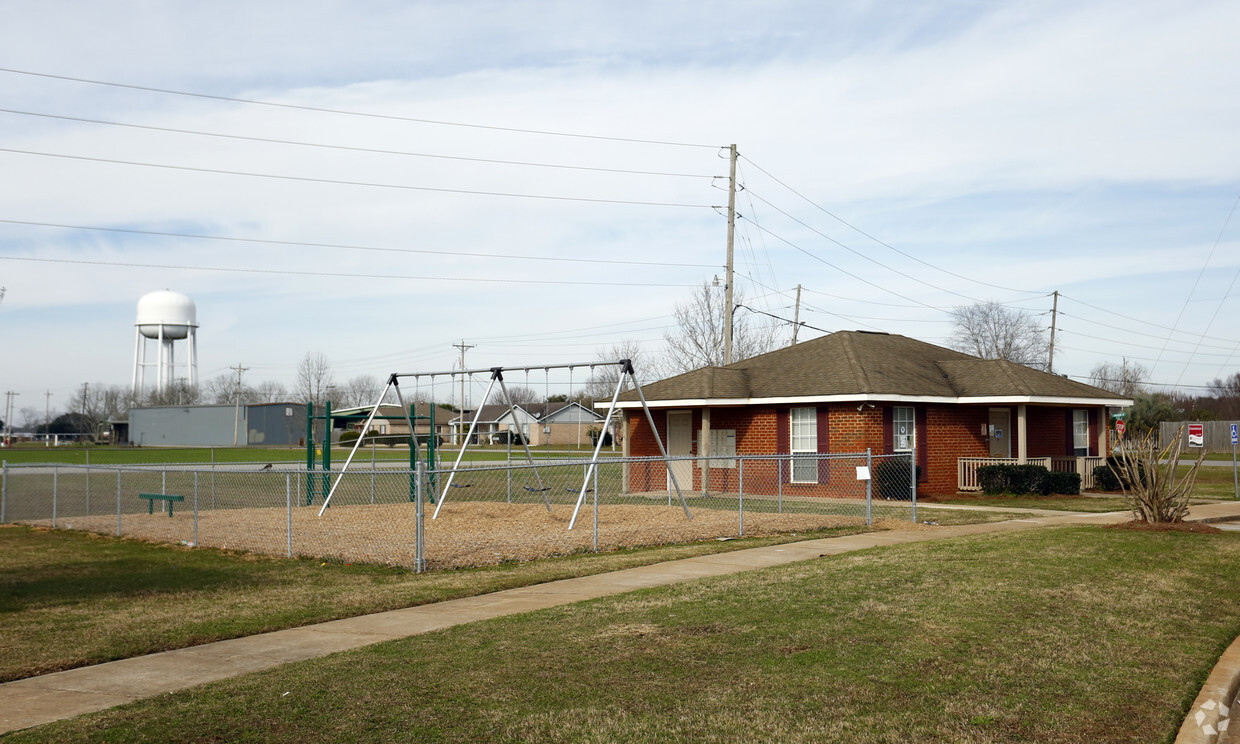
(151, 498)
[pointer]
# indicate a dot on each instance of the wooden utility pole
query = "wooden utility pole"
(796, 318)
(460, 415)
(727, 288)
(1050, 361)
(237, 408)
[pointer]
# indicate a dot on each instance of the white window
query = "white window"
(1080, 432)
(903, 428)
(804, 439)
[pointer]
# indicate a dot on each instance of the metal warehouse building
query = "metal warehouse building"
(266, 424)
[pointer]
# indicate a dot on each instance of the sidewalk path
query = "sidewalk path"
(51, 697)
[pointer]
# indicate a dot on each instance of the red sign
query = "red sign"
(1119, 427)
(1196, 435)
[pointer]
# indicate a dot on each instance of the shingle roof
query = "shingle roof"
(865, 364)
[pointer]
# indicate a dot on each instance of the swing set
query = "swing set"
(497, 377)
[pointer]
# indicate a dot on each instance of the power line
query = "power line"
(343, 112)
(802, 324)
(348, 148)
(336, 274)
(844, 222)
(367, 184)
(345, 246)
(1138, 320)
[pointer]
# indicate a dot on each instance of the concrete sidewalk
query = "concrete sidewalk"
(51, 697)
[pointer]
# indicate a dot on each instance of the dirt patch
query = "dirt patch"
(465, 534)
(1139, 526)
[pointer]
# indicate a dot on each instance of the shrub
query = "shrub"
(1105, 478)
(349, 436)
(1064, 481)
(1015, 479)
(891, 479)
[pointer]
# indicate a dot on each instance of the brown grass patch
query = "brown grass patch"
(1142, 526)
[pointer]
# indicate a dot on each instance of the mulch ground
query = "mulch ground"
(465, 534)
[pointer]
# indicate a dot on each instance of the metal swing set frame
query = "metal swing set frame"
(497, 376)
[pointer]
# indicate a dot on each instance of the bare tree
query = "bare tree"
(97, 403)
(1154, 488)
(700, 322)
(269, 391)
(521, 395)
(992, 331)
(314, 377)
(1126, 378)
(602, 381)
(360, 391)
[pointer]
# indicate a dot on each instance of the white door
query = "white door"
(1000, 432)
(680, 444)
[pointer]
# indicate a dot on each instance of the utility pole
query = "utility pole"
(796, 318)
(237, 408)
(1050, 361)
(47, 418)
(727, 288)
(460, 416)
(8, 418)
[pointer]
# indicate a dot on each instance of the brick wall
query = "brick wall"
(945, 433)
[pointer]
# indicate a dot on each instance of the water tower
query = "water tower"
(165, 317)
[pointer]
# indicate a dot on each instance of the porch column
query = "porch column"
(704, 450)
(1104, 426)
(1022, 446)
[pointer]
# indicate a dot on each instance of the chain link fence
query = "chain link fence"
(481, 514)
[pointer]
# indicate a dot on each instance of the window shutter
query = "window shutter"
(923, 443)
(783, 445)
(1095, 426)
(1070, 436)
(824, 444)
(889, 431)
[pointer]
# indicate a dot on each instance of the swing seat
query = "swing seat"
(531, 489)
(573, 490)
(462, 485)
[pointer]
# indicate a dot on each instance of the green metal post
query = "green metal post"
(309, 452)
(431, 443)
(413, 453)
(327, 447)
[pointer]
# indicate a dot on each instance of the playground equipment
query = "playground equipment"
(497, 376)
(328, 417)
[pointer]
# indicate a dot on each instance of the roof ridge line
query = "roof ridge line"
(1020, 385)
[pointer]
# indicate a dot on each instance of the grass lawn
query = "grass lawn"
(1057, 503)
(1213, 483)
(1051, 635)
(70, 598)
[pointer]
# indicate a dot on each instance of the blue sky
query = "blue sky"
(1001, 150)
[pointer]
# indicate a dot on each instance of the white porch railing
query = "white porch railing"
(966, 468)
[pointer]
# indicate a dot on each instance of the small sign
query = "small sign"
(998, 433)
(1196, 435)
(1119, 427)
(863, 473)
(1235, 433)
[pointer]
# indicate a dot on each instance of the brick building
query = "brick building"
(854, 390)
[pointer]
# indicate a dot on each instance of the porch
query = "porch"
(966, 468)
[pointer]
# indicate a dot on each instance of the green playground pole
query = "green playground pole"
(327, 447)
(413, 452)
(309, 453)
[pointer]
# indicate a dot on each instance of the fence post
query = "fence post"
(4, 491)
(118, 502)
(740, 505)
(195, 508)
(88, 479)
(869, 487)
(288, 507)
(779, 482)
(55, 492)
(740, 476)
(912, 469)
(596, 510)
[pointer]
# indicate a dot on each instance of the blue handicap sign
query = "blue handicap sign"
(1235, 433)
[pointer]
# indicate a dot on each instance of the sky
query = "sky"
(378, 181)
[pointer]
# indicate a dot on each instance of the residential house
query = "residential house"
(854, 391)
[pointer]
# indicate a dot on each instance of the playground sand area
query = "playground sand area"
(466, 534)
